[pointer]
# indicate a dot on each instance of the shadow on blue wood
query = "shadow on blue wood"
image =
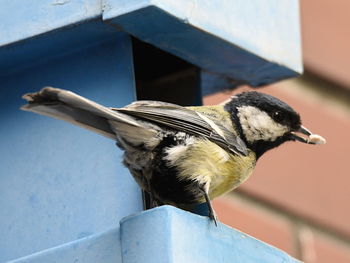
(253, 42)
(167, 234)
(103, 247)
(58, 182)
(212, 83)
(42, 48)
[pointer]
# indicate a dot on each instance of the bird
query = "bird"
(183, 156)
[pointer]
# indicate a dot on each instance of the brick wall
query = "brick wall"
(326, 38)
(298, 197)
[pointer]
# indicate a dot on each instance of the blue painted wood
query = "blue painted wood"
(20, 20)
(103, 247)
(167, 234)
(62, 188)
(256, 42)
(41, 48)
(58, 182)
(212, 83)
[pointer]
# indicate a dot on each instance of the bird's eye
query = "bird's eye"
(278, 116)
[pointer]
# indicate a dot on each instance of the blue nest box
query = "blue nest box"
(63, 190)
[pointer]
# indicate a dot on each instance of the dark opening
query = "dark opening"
(165, 77)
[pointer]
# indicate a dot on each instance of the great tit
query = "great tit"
(184, 155)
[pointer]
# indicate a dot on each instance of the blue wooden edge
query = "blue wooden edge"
(103, 247)
(39, 49)
(255, 44)
(164, 234)
(167, 234)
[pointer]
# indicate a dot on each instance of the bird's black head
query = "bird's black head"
(264, 122)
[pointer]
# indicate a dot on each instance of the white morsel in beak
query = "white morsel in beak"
(316, 139)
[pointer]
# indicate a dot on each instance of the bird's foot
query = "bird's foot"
(213, 216)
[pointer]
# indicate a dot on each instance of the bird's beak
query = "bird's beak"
(310, 139)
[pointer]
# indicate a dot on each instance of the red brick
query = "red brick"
(310, 181)
(318, 248)
(260, 224)
(326, 38)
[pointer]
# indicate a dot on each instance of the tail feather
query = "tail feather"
(70, 107)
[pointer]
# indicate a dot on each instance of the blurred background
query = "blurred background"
(298, 198)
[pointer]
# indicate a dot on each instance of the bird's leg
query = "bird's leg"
(153, 201)
(148, 198)
(212, 214)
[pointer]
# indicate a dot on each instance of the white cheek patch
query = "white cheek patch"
(258, 125)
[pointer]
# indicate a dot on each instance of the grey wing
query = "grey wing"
(68, 106)
(186, 120)
(136, 124)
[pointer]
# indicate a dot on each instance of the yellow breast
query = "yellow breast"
(206, 162)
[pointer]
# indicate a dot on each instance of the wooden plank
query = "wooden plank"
(255, 42)
(167, 234)
(103, 247)
(21, 20)
(58, 182)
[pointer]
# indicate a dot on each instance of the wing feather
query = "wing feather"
(68, 106)
(186, 120)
